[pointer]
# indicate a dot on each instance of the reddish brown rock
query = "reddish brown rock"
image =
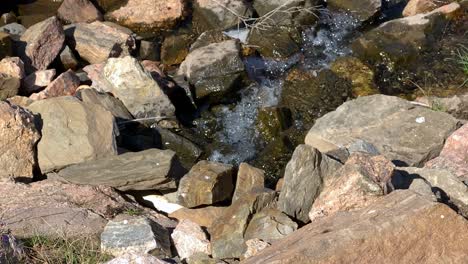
(360, 182)
(65, 84)
(98, 41)
(43, 42)
(17, 143)
(454, 155)
(148, 15)
(401, 227)
(52, 208)
(76, 11)
(415, 7)
(37, 80)
(204, 217)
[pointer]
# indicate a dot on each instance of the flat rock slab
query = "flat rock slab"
(402, 225)
(401, 131)
(152, 169)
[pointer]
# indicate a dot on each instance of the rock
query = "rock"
(175, 49)
(360, 75)
(132, 258)
(73, 132)
(204, 217)
(453, 190)
(152, 169)
(8, 18)
(200, 258)
(214, 70)
(450, 11)
(219, 15)
(276, 42)
(271, 121)
(189, 239)
(454, 154)
(37, 80)
(12, 66)
(308, 96)
(148, 16)
(209, 37)
(303, 181)
(161, 203)
(206, 183)
(108, 102)
(135, 87)
(14, 30)
(248, 179)
(279, 185)
(364, 10)
(360, 182)
(51, 208)
(138, 235)
(415, 7)
(412, 134)
(42, 43)
(227, 233)
(68, 60)
(78, 11)
(9, 86)
(254, 246)
(98, 41)
(20, 101)
(5, 45)
(286, 12)
(65, 84)
(149, 50)
(18, 142)
(269, 225)
(457, 105)
(422, 187)
(374, 235)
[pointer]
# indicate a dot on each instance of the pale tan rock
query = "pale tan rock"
(204, 217)
(12, 66)
(37, 80)
(189, 239)
(415, 7)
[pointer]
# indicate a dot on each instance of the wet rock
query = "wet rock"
(412, 134)
(276, 42)
(219, 15)
(202, 216)
(175, 49)
(415, 7)
(12, 66)
(209, 37)
(132, 258)
(286, 12)
(51, 208)
(214, 70)
(248, 179)
(364, 10)
(41, 43)
(254, 246)
(108, 102)
(450, 186)
(151, 169)
(189, 239)
(137, 90)
(138, 235)
(227, 233)
(271, 121)
(73, 132)
(309, 97)
(18, 141)
(269, 225)
(15, 30)
(303, 181)
(360, 75)
(78, 11)
(68, 60)
(98, 41)
(161, 203)
(65, 84)
(366, 234)
(206, 183)
(5, 45)
(37, 80)
(454, 155)
(360, 182)
(148, 16)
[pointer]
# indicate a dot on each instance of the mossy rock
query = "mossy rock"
(271, 121)
(175, 48)
(276, 42)
(360, 75)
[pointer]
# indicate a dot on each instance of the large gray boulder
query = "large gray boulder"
(403, 132)
(303, 181)
(214, 70)
(73, 132)
(135, 87)
(152, 169)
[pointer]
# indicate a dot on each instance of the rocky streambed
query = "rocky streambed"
(219, 131)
